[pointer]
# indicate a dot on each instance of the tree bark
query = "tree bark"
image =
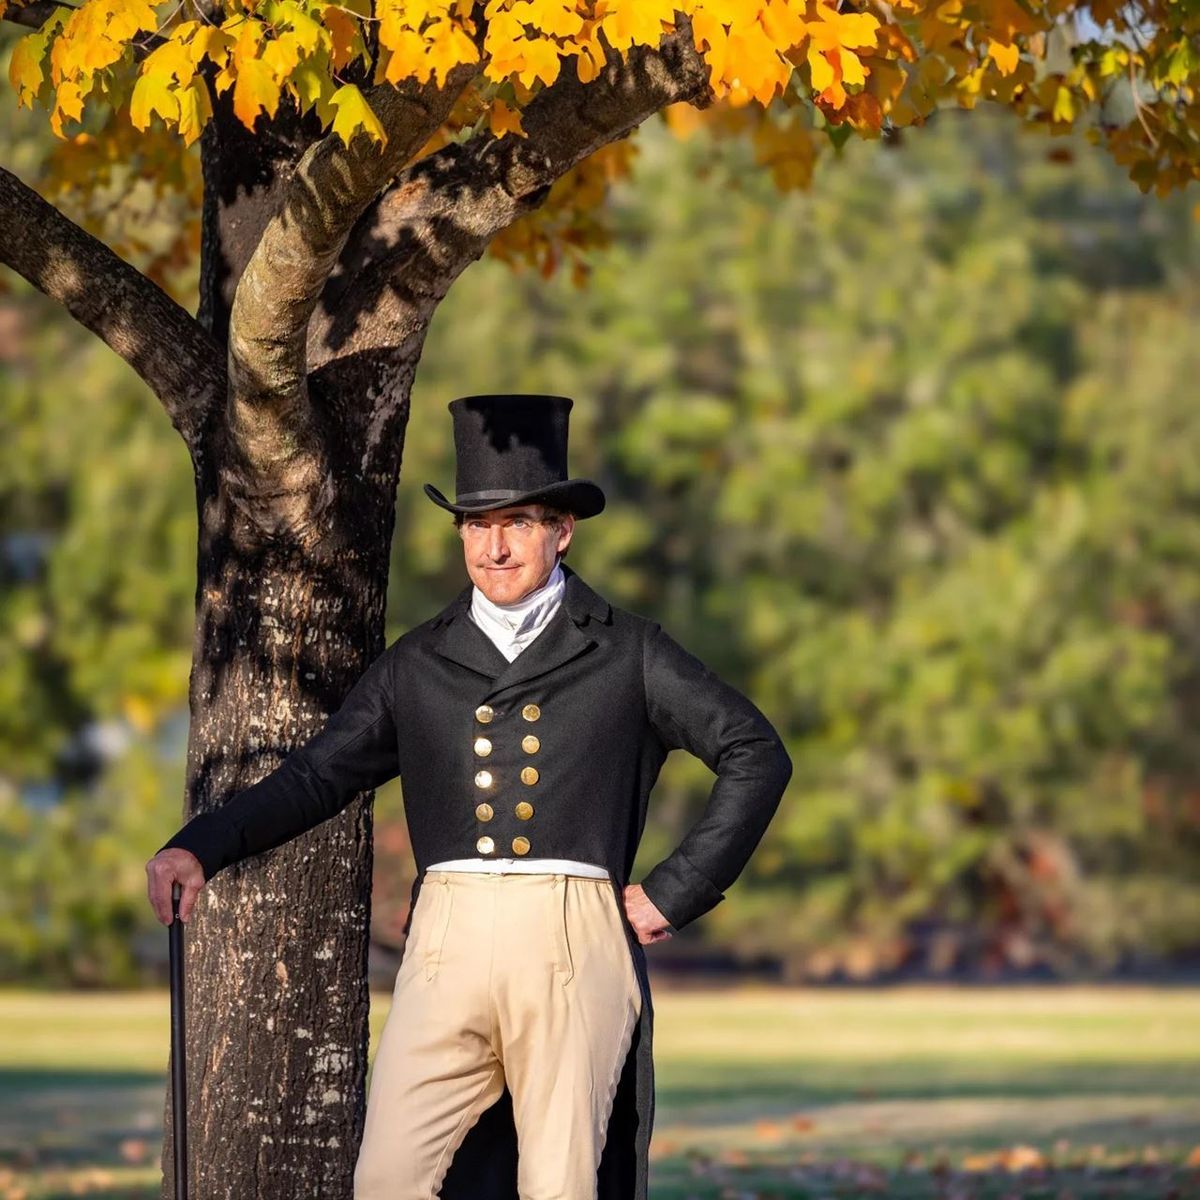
(277, 998)
(277, 994)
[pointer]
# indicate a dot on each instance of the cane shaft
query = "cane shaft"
(178, 1048)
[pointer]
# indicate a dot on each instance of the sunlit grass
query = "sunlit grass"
(913, 1092)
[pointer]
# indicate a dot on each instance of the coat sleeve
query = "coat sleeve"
(356, 750)
(691, 708)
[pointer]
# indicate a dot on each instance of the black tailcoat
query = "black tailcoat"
(607, 694)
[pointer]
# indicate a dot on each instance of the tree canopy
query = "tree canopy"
(126, 81)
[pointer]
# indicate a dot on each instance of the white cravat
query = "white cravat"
(513, 626)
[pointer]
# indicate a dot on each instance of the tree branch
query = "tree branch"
(159, 339)
(33, 14)
(442, 211)
(275, 466)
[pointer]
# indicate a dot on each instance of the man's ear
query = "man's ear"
(564, 538)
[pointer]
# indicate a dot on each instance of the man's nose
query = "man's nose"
(497, 546)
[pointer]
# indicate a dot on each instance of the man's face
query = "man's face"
(510, 551)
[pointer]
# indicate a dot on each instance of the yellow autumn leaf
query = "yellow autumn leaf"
(540, 60)
(783, 24)
(212, 43)
(195, 108)
(256, 89)
(282, 55)
(503, 30)
(151, 94)
(835, 30)
(1005, 57)
(68, 104)
(626, 22)
(559, 18)
(172, 60)
(124, 18)
(448, 47)
(502, 119)
(754, 69)
(1064, 104)
(405, 60)
(589, 61)
(819, 67)
(308, 33)
(713, 41)
(25, 68)
(853, 71)
(354, 116)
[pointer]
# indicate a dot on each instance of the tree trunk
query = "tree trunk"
(277, 996)
(278, 1039)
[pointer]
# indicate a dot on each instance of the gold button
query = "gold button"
(524, 810)
(483, 747)
(530, 744)
(531, 712)
(520, 845)
(484, 713)
(529, 774)
(485, 845)
(483, 779)
(484, 811)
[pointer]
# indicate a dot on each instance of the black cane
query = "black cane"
(178, 1047)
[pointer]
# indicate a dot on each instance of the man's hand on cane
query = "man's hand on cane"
(649, 924)
(166, 868)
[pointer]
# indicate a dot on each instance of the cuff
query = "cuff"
(210, 838)
(680, 891)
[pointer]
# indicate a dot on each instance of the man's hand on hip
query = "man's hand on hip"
(649, 924)
(165, 869)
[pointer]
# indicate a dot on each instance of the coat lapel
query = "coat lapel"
(561, 641)
(459, 639)
(565, 637)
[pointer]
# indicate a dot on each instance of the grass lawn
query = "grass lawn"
(1061, 1093)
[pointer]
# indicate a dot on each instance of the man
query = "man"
(528, 721)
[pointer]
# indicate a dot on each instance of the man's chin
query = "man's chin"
(502, 586)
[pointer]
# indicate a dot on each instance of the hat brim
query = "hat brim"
(581, 497)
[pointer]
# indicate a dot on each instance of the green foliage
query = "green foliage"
(97, 582)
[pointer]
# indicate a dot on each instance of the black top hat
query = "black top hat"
(512, 449)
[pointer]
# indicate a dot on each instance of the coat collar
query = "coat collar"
(566, 636)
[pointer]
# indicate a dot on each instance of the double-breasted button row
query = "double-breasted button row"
(485, 811)
(485, 779)
(484, 746)
(486, 845)
(485, 713)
